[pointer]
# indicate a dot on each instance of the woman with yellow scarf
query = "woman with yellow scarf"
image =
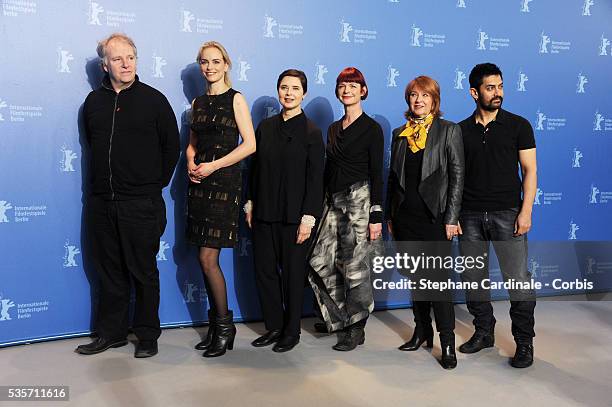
(423, 203)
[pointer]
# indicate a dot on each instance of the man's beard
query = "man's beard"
(490, 107)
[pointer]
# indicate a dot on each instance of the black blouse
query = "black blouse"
(356, 154)
(286, 175)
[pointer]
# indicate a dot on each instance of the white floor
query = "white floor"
(573, 367)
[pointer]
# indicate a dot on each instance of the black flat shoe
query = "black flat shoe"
(286, 343)
(268, 338)
(418, 338)
(523, 357)
(146, 349)
(477, 342)
(100, 345)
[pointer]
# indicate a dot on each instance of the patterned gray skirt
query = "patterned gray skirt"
(342, 257)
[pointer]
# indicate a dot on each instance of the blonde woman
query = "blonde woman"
(219, 117)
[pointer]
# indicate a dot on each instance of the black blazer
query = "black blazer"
(442, 173)
(286, 175)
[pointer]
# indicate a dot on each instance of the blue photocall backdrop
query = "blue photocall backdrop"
(556, 58)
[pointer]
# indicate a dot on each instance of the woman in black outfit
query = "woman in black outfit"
(423, 203)
(351, 230)
(219, 118)
(285, 199)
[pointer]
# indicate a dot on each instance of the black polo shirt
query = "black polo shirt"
(492, 179)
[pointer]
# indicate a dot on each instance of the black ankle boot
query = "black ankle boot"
(351, 336)
(419, 337)
(449, 357)
(223, 336)
(205, 344)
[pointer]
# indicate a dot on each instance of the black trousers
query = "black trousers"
(125, 240)
(430, 239)
(281, 294)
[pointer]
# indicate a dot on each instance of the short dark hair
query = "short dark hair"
(352, 74)
(296, 73)
(480, 71)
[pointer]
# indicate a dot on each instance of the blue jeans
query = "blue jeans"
(497, 227)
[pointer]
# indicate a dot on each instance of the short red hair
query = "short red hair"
(426, 84)
(352, 74)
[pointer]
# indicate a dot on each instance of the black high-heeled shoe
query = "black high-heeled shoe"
(418, 338)
(223, 337)
(205, 344)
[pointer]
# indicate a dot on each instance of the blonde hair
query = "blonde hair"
(102, 44)
(226, 58)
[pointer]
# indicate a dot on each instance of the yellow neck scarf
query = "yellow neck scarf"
(416, 132)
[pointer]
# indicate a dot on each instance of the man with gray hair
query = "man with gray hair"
(134, 141)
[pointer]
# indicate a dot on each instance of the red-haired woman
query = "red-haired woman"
(423, 203)
(352, 229)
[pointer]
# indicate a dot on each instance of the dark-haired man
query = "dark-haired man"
(497, 206)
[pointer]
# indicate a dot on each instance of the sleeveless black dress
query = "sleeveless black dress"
(213, 205)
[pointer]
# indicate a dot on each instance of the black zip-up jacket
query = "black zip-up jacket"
(134, 141)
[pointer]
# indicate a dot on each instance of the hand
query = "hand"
(522, 224)
(303, 233)
(249, 219)
(452, 231)
(375, 230)
(203, 170)
(390, 228)
(190, 169)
